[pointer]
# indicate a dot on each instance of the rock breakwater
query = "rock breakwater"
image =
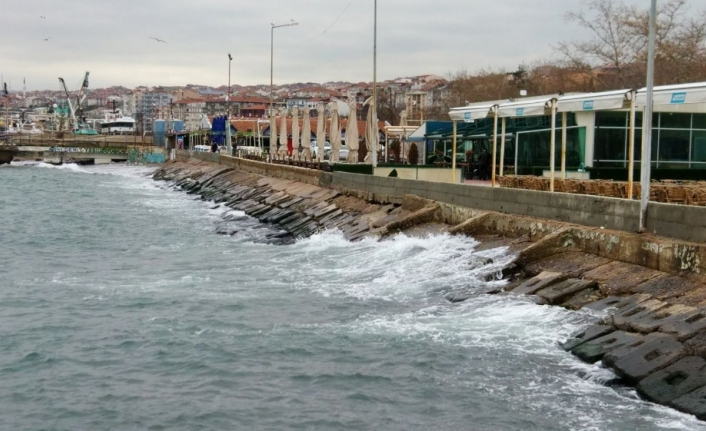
(648, 291)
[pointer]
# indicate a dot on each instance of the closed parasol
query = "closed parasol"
(283, 136)
(335, 133)
(370, 132)
(295, 131)
(352, 134)
(306, 135)
(320, 132)
(273, 134)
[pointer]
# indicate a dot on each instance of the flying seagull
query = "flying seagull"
(43, 17)
(47, 39)
(158, 40)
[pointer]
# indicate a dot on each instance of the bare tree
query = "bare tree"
(615, 55)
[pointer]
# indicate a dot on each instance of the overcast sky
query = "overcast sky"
(111, 39)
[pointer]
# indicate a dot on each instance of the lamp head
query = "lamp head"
(229, 57)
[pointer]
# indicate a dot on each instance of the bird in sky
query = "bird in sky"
(158, 40)
(43, 17)
(47, 39)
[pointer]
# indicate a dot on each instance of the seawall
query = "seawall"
(649, 288)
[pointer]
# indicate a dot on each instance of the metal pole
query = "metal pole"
(563, 145)
(229, 148)
(272, 59)
(631, 143)
(495, 147)
(502, 146)
(453, 154)
(375, 86)
(645, 166)
(552, 149)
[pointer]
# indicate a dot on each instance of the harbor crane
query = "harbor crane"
(76, 111)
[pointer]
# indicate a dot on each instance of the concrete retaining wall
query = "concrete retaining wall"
(687, 223)
(675, 221)
(422, 174)
(294, 173)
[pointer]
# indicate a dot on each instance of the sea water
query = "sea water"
(122, 308)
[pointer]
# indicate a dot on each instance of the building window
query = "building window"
(678, 139)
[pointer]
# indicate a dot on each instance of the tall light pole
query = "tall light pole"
(646, 164)
(272, 57)
(375, 86)
(229, 148)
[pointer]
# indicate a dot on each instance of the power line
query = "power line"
(335, 21)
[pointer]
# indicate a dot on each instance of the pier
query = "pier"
(56, 149)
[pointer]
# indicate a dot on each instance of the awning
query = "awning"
(472, 112)
(675, 94)
(594, 101)
(525, 108)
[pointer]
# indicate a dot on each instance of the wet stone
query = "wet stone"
(622, 317)
(676, 380)
(685, 326)
(593, 351)
(693, 403)
(541, 281)
(610, 358)
(617, 302)
(696, 345)
(659, 352)
(652, 321)
(565, 289)
(291, 202)
(582, 299)
(588, 334)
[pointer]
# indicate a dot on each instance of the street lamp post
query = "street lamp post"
(646, 165)
(272, 57)
(229, 145)
(375, 86)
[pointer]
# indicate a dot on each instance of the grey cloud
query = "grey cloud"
(111, 39)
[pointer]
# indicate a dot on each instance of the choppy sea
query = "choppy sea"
(122, 308)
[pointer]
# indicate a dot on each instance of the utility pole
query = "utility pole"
(375, 86)
(646, 165)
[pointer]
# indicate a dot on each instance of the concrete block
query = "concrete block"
(651, 322)
(696, 345)
(610, 358)
(617, 302)
(677, 380)
(582, 299)
(664, 288)
(621, 318)
(588, 334)
(541, 281)
(693, 403)
(594, 350)
(686, 325)
(563, 290)
(659, 352)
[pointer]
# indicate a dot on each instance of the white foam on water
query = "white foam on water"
(396, 269)
(71, 167)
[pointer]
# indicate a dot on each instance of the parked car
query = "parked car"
(315, 149)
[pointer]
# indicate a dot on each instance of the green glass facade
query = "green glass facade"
(678, 140)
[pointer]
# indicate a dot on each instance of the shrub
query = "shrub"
(413, 154)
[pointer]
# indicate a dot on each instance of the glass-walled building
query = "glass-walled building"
(678, 139)
(527, 142)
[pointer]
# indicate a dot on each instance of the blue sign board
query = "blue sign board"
(678, 98)
(466, 116)
(588, 105)
(519, 112)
